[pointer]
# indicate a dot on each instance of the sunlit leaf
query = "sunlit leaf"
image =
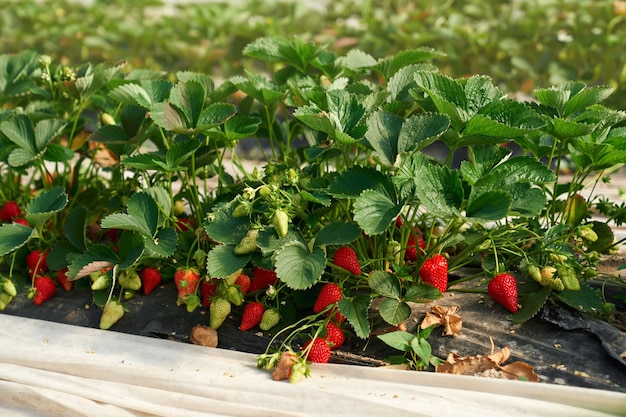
(298, 267)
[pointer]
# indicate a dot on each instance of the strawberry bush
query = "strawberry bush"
(119, 178)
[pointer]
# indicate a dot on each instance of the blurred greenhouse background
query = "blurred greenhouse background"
(521, 44)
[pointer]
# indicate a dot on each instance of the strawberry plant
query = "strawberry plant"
(128, 179)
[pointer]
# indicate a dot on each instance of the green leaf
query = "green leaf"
(447, 95)
(75, 226)
(96, 258)
(356, 179)
(188, 98)
(142, 207)
(483, 160)
(135, 95)
(585, 98)
(382, 134)
(564, 129)
(387, 67)
(163, 201)
(356, 59)
(316, 197)
(179, 152)
(60, 254)
(420, 130)
(399, 340)
(226, 229)
(13, 236)
(504, 119)
(126, 222)
(480, 92)
(299, 268)
(419, 293)
(385, 284)
(374, 211)
(131, 247)
(46, 205)
(19, 130)
(438, 188)
(222, 262)
(57, 153)
(356, 311)
(338, 233)
(531, 304)
(46, 130)
(394, 311)
(215, 115)
(586, 299)
(162, 245)
(258, 88)
(240, 126)
(488, 206)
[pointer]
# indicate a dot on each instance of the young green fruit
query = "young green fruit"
(219, 310)
(280, 221)
(248, 243)
(9, 287)
(113, 311)
(129, 280)
(270, 318)
(569, 277)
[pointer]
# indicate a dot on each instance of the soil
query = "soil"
(563, 346)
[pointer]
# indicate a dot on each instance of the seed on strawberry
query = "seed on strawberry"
(113, 311)
(346, 258)
(252, 314)
(36, 262)
(334, 336)
(219, 310)
(261, 279)
(435, 272)
(243, 281)
(44, 289)
(319, 350)
(150, 279)
(503, 289)
(208, 290)
(271, 317)
(187, 281)
(63, 281)
(329, 294)
(9, 211)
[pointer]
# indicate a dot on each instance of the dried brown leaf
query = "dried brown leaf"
(203, 336)
(446, 317)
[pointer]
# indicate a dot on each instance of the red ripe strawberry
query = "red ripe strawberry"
(334, 336)
(244, 283)
(44, 289)
(208, 290)
(262, 279)
(63, 281)
(187, 281)
(185, 223)
(36, 262)
(411, 250)
(320, 351)
(503, 289)
(150, 279)
(346, 258)
(329, 294)
(252, 314)
(9, 211)
(23, 222)
(435, 272)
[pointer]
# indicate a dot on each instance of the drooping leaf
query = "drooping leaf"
(13, 236)
(298, 267)
(96, 258)
(356, 312)
(374, 211)
(338, 233)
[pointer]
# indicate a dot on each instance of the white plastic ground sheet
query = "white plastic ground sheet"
(51, 369)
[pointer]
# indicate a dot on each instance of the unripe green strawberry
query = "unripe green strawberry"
(101, 282)
(557, 257)
(106, 119)
(248, 243)
(547, 274)
(298, 370)
(534, 272)
(192, 302)
(5, 299)
(234, 295)
(179, 208)
(232, 278)
(270, 318)
(569, 277)
(112, 312)
(557, 284)
(280, 221)
(129, 280)
(9, 287)
(393, 251)
(219, 310)
(265, 191)
(587, 233)
(242, 210)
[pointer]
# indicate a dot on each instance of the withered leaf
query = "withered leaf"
(283, 367)
(446, 317)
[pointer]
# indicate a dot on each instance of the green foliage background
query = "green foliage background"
(521, 44)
